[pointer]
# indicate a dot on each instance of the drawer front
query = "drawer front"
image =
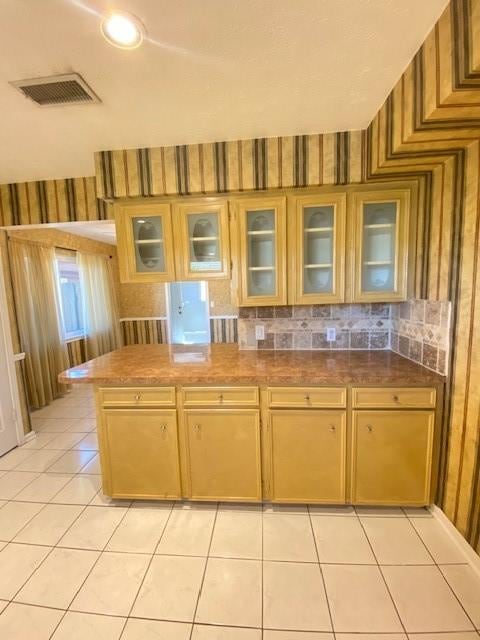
(307, 397)
(137, 396)
(394, 397)
(220, 396)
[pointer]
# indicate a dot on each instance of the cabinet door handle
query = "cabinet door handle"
(333, 428)
(137, 397)
(196, 427)
(163, 427)
(369, 428)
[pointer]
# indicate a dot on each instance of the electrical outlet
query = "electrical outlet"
(331, 334)
(259, 332)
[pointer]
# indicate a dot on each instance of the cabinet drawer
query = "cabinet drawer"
(394, 397)
(307, 397)
(220, 396)
(137, 396)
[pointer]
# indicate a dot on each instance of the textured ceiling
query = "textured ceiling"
(211, 70)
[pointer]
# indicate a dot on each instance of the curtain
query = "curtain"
(101, 317)
(37, 308)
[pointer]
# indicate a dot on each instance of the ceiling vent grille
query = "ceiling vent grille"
(58, 90)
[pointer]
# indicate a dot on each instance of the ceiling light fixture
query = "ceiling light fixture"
(123, 30)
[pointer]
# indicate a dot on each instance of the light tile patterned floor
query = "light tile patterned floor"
(76, 565)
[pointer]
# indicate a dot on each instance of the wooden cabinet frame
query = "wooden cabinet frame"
(296, 205)
(181, 210)
(124, 213)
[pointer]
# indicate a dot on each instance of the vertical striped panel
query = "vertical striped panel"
(223, 330)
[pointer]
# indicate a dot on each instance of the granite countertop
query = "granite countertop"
(160, 364)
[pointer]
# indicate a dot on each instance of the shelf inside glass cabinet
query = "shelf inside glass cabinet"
(148, 242)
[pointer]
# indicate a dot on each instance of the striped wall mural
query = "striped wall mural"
(68, 200)
(429, 126)
(154, 330)
(241, 165)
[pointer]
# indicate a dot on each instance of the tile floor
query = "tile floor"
(75, 565)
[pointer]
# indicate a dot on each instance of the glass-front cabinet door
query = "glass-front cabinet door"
(145, 248)
(201, 231)
(317, 273)
(262, 251)
(381, 246)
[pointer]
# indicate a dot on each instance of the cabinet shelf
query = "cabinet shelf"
(380, 225)
(261, 268)
(378, 263)
(322, 265)
(263, 232)
(156, 241)
(319, 229)
(204, 239)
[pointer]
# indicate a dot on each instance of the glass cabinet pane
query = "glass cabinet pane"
(204, 241)
(318, 249)
(261, 252)
(379, 242)
(148, 240)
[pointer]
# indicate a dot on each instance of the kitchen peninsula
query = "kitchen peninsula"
(217, 423)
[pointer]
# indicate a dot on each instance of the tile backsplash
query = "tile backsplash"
(357, 326)
(420, 332)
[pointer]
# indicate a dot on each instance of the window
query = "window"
(70, 294)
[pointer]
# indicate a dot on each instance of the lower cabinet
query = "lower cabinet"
(223, 449)
(392, 457)
(308, 456)
(140, 457)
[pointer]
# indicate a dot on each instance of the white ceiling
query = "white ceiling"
(103, 231)
(211, 70)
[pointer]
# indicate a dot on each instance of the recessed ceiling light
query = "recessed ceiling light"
(123, 30)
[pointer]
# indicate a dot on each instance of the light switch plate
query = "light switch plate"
(259, 332)
(331, 334)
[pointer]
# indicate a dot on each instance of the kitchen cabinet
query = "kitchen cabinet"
(392, 457)
(308, 456)
(381, 236)
(261, 250)
(202, 239)
(317, 237)
(223, 454)
(139, 453)
(145, 245)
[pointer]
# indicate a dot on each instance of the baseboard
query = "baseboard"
(470, 554)
(28, 436)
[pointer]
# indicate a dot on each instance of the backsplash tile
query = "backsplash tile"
(420, 332)
(358, 326)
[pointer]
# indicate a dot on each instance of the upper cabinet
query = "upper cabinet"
(145, 247)
(381, 245)
(201, 234)
(317, 266)
(261, 259)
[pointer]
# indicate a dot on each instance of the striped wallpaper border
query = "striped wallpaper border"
(223, 329)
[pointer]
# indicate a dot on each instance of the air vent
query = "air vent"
(57, 90)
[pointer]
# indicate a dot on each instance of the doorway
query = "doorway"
(188, 316)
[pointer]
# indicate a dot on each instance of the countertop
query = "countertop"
(160, 364)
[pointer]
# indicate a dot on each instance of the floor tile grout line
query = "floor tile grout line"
(321, 571)
(146, 571)
(204, 571)
(100, 553)
(445, 579)
(382, 575)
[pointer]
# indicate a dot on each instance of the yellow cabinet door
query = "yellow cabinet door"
(308, 452)
(261, 236)
(139, 453)
(223, 448)
(392, 457)
(145, 245)
(201, 234)
(317, 236)
(380, 268)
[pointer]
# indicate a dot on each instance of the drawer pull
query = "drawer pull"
(138, 397)
(220, 397)
(369, 428)
(307, 398)
(396, 398)
(333, 428)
